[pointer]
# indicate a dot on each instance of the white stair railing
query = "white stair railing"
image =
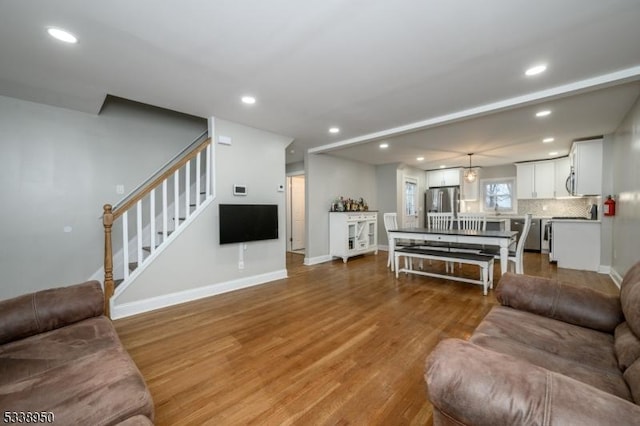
(131, 229)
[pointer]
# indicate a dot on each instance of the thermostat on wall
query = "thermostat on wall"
(239, 189)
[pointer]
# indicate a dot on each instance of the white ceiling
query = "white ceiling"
(370, 67)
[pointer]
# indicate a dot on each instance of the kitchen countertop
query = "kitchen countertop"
(576, 221)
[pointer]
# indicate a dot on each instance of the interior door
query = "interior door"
(297, 213)
(410, 217)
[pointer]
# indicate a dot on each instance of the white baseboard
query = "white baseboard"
(615, 276)
(604, 269)
(133, 308)
(308, 261)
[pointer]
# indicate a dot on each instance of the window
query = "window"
(410, 219)
(498, 195)
(411, 198)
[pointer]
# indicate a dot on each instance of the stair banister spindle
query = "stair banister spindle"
(139, 231)
(176, 198)
(164, 211)
(208, 170)
(152, 221)
(198, 180)
(187, 190)
(125, 244)
(109, 286)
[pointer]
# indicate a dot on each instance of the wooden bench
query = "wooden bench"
(485, 262)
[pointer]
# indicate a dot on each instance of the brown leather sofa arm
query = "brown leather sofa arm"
(471, 385)
(45, 310)
(562, 301)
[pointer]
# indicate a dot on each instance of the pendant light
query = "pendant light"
(470, 175)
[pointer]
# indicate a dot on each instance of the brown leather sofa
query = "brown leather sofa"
(60, 355)
(552, 354)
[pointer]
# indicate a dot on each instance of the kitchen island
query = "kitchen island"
(575, 244)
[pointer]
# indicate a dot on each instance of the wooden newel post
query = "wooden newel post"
(107, 220)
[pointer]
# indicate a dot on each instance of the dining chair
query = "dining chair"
(472, 221)
(391, 223)
(515, 256)
(439, 220)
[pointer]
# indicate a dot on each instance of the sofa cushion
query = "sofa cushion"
(567, 302)
(627, 346)
(568, 341)
(24, 358)
(46, 310)
(630, 298)
(632, 377)
(102, 388)
(577, 352)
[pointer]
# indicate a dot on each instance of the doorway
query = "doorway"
(295, 214)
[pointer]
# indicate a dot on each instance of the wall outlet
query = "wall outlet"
(241, 265)
(120, 189)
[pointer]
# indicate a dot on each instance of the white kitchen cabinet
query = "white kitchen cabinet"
(352, 233)
(444, 177)
(470, 191)
(535, 180)
(562, 171)
(586, 161)
(575, 244)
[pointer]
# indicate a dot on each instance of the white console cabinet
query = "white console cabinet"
(352, 233)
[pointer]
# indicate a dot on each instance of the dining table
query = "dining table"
(501, 239)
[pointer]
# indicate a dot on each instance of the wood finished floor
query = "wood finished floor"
(333, 344)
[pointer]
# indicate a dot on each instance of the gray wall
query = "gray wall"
(256, 159)
(387, 194)
(327, 178)
(58, 169)
(626, 188)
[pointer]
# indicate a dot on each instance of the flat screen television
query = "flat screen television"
(241, 223)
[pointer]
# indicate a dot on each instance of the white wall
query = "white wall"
(196, 260)
(626, 188)
(58, 169)
(327, 178)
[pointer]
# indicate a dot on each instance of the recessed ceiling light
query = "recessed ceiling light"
(548, 140)
(249, 100)
(420, 158)
(62, 35)
(553, 153)
(535, 70)
(334, 130)
(543, 113)
(443, 166)
(384, 145)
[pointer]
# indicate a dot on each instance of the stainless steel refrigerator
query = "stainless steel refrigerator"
(445, 199)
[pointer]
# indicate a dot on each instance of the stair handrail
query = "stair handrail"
(111, 213)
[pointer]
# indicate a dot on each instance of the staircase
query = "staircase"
(143, 224)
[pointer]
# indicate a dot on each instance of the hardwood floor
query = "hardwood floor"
(332, 344)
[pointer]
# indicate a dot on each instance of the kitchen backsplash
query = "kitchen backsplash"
(547, 207)
(554, 207)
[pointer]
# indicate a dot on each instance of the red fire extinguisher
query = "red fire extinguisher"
(610, 206)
